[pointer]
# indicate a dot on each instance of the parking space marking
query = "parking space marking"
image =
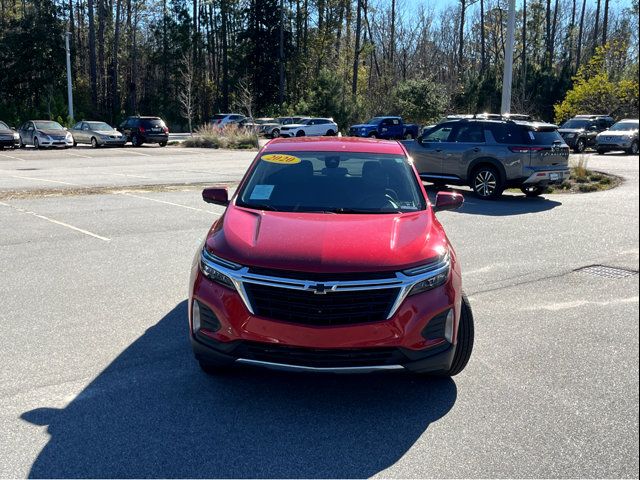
(168, 203)
(138, 153)
(78, 155)
(57, 222)
(130, 175)
(45, 180)
(13, 158)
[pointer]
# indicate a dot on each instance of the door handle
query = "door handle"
(476, 150)
(438, 150)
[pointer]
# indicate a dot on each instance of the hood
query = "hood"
(617, 133)
(570, 130)
(364, 125)
(326, 243)
(108, 132)
(53, 133)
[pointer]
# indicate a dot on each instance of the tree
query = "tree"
(420, 101)
(185, 95)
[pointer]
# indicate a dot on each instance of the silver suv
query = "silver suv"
(492, 155)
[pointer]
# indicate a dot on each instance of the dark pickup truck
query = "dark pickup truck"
(385, 127)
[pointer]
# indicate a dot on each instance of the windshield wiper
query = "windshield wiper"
(358, 210)
(258, 206)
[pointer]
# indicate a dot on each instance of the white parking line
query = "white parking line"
(78, 155)
(130, 175)
(44, 180)
(57, 222)
(13, 158)
(167, 203)
(138, 153)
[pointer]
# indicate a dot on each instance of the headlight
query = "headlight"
(16, 136)
(213, 268)
(68, 136)
(432, 274)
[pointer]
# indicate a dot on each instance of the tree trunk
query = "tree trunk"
(92, 55)
(483, 45)
(463, 7)
(524, 45)
(225, 54)
(115, 101)
(281, 56)
(580, 32)
(392, 47)
(553, 33)
(605, 22)
(596, 28)
(572, 27)
(356, 50)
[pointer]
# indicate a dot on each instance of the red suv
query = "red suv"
(329, 258)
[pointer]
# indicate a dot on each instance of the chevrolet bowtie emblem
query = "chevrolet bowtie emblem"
(319, 289)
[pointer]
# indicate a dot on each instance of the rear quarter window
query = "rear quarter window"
(544, 137)
(507, 133)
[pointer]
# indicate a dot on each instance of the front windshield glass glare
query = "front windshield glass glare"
(48, 125)
(99, 126)
(575, 124)
(332, 182)
(625, 126)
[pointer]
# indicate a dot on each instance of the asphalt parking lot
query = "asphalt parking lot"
(98, 380)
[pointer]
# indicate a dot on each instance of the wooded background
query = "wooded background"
(350, 59)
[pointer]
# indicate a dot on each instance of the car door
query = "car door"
(29, 133)
(396, 129)
(467, 142)
(85, 133)
(429, 149)
(76, 131)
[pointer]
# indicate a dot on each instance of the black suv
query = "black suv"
(581, 131)
(139, 130)
(491, 155)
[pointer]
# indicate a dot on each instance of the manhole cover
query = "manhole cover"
(607, 272)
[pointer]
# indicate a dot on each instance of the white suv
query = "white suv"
(311, 127)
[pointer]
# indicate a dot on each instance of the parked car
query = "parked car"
(580, 132)
(221, 119)
(311, 127)
(272, 129)
(385, 127)
(140, 130)
(350, 272)
(621, 136)
(9, 138)
(44, 134)
(492, 155)
(97, 134)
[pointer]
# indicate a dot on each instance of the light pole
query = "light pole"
(69, 92)
(508, 59)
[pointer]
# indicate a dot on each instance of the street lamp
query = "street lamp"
(508, 59)
(69, 92)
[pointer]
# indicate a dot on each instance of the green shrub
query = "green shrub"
(229, 136)
(588, 188)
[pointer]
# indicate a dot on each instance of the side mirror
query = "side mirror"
(448, 201)
(217, 195)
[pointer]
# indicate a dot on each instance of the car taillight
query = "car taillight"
(165, 129)
(141, 129)
(526, 149)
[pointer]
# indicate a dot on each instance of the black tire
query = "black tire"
(373, 135)
(581, 145)
(75, 144)
(275, 133)
(330, 133)
(486, 182)
(94, 142)
(214, 368)
(533, 190)
(163, 144)
(408, 136)
(135, 141)
(21, 145)
(36, 143)
(466, 334)
(601, 151)
(633, 149)
(300, 133)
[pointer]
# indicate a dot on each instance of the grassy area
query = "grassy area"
(229, 136)
(584, 180)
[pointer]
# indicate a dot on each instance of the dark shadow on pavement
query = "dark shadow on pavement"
(504, 206)
(153, 413)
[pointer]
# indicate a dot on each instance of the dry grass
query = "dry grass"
(229, 136)
(579, 168)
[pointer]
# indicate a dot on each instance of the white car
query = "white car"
(311, 127)
(220, 120)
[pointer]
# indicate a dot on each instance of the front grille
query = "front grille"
(319, 358)
(321, 277)
(330, 309)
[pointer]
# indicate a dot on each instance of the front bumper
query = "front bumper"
(393, 343)
(55, 143)
(612, 143)
(9, 142)
(547, 175)
(115, 142)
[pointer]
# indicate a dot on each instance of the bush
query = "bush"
(229, 136)
(420, 101)
(588, 188)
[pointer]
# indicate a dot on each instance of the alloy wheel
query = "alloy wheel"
(485, 183)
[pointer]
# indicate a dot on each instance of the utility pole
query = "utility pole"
(508, 59)
(281, 85)
(69, 92)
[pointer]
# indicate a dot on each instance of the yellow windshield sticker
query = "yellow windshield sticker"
(281, 158)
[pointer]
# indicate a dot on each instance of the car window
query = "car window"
(77, 126)
(469, 133)
(48, 125)
(438, 134)
(548, 136)
(235, 118)
(338, 182)
(395, 121)
(507, 133)
(625, 126)
(4, 125)
(152, 122)
(85, 126)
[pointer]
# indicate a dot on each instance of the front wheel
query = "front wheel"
(300, 133)
(94, 142)
(36, 143)
(581, 144)
(633, 149)
(275, 133)
(163, 144)
(465, 339)
(135, 141)
(330, 133)
(408, 136)
(486, 183)
(532, 190)
(601, 151)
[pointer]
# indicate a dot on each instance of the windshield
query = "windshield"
(4, 126)
(332, 182)
(576, 123)
(99, 126)
(625, 126)
(48, 125)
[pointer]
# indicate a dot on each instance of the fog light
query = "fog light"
(195, 316)
(448, 327)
